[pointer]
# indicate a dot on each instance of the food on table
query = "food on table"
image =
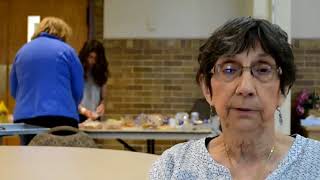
(150, 121)
(112, 124)
(90, 124)
(128, 121)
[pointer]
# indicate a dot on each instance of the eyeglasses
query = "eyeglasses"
(229, 71)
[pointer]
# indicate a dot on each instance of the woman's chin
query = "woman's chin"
(245, 125)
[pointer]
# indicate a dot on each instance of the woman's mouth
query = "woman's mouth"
(245, 112)
(244, 109)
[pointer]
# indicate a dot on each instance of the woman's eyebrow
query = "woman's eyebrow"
(227, 60)
(264, 55)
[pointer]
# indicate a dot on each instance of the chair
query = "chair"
(63, 136)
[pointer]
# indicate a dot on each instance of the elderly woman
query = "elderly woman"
(46, 79)
(246, 70)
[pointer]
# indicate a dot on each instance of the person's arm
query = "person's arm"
(13, 81)
(77, 78)
(101, 107)
(103, 93)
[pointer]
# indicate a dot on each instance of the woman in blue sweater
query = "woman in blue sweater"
(46, 79)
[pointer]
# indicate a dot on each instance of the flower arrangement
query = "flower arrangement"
(306, 101)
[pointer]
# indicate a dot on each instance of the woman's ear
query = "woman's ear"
(206, 91)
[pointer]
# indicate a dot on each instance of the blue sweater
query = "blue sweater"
(46, 79)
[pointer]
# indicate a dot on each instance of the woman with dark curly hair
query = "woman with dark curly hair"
(96, 73)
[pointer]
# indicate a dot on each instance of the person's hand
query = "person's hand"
(100, 109)
(89, 114)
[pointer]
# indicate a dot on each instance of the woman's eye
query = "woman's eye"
(229, 70)
(264, 69)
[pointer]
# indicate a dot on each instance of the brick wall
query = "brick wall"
(98, 19)
(307, 60)
(151, 75)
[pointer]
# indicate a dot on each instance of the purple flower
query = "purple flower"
(300, 110)
(302, 97)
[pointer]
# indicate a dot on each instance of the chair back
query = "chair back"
(63, 136)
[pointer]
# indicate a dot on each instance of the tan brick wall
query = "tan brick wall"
(98, 19)
(151, 75)
(307, 60)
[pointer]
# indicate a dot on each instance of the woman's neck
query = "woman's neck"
(256, 153)
(251, 146)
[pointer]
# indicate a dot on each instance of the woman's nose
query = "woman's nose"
(246, 84)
